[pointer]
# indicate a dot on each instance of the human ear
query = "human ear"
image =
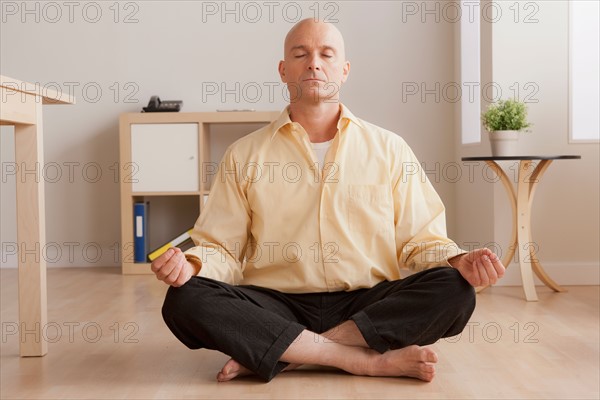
(346, 71)
(281, 69)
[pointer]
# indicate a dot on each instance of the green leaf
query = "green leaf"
(505, 115)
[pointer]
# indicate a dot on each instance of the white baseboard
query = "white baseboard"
(563, 273)
(8, 260)
(577, 273)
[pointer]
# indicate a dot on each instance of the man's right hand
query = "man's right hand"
(172, 268)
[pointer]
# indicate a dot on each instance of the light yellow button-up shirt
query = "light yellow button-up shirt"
(275, 219)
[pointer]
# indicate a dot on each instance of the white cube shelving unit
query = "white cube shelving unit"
(161, 162)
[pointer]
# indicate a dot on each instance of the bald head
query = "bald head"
(314, 64)
(310, 28)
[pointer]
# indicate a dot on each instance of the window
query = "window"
(584, 72)
(470, 102)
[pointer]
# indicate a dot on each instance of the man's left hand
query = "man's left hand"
(479, 267)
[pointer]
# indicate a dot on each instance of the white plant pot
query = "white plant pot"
(504, 143)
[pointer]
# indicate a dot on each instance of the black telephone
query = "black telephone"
(155, 105)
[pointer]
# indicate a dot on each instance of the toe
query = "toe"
(427, 372)
(230, 366)
(428, 377)
(429, 355)
(427, 368)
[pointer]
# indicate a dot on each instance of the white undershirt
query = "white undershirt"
(320, 150)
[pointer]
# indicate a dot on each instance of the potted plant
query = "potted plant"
(503, 120)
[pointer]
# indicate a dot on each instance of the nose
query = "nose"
(314, 64)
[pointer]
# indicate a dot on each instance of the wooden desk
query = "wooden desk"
(22, 107)
(521, 206)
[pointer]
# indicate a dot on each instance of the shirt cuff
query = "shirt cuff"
(452, 256)
(195, 261)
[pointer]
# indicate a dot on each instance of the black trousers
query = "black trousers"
(255, 325)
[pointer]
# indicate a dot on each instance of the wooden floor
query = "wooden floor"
(108, 340)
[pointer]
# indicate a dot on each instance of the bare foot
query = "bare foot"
(413, 361)
(233, 369)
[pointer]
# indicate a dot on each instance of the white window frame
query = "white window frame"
(470, 32)
(573, 138)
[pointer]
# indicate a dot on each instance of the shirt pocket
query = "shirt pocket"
(370, 209)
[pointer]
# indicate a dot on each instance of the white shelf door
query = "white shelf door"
(164, 157)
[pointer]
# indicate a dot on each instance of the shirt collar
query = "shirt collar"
(284, 119)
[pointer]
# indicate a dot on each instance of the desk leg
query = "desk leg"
(31, 236)
(524, 230)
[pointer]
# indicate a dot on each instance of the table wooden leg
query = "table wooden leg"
(31, 236)
(512, 197)
(524, 230)
(537, 267)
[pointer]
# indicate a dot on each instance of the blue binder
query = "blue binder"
(140, 232)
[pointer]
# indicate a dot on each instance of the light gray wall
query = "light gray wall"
(389, 48)
(172, 52)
